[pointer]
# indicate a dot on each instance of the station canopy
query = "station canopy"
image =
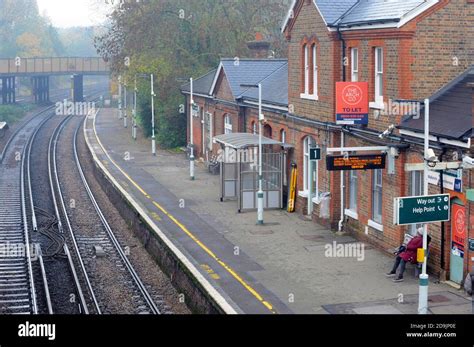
(246, 140)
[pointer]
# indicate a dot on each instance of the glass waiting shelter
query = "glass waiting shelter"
(238, 159)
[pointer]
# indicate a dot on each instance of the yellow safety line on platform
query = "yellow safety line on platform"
(183, 228)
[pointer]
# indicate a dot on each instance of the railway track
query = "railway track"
(62, 219)
(20, 260)
(111, 240)
(24, 287)
(84, 243)
(17, 285)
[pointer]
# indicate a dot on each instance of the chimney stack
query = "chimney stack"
(259, 48)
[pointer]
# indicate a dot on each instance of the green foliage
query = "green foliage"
(172, 129)
(144, 109)
(177, 39)
(170, 124)
(12, 113)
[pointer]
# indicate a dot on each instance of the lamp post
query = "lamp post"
(134, 111)
(424, 278)
(153, 137)
(125, 106)
(152, 88)
(191, 131)
(261, 119)
(120, 96)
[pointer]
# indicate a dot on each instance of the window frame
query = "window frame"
(306, 69)
(353, 190)
(310, 69)
(209, 129)
(355, 64)
(283, 140)
(309, 142)
(315, 80)
(377, 196)
(228, 125)
(378, 75)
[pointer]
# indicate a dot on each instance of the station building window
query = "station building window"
(379, 70)
(377, 195)
(354, 65)
(309, 171)
(353, 189)
(228, 129)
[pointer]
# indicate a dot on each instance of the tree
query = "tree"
(181, 38)
(23, 32)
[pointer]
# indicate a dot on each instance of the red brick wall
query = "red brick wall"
(443, 46)
(197, 125)
(222, 90)
(308, 27)
(418, 61)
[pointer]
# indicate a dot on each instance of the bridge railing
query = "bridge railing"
(61, 65)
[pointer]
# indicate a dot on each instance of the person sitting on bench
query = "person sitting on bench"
(407, 254)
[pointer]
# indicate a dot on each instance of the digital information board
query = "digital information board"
(356, 162)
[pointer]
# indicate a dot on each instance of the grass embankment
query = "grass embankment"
(13, 113)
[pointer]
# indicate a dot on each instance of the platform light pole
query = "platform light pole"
(134, 111)
(152, 88)
(153, 137)
(424, 278)
(261, 119)
(125, 125)
(191, 130)
(120, 96)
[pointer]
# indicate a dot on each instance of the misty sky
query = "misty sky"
(67, 13)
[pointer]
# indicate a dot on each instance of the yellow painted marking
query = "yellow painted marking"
(183, 228)
(211, 272)
(156, 216)
(115, 164)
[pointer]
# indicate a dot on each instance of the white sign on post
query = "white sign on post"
(452, 179)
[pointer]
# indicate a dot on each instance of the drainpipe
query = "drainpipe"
(341, 220)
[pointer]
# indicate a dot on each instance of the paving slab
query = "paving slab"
(439, 303)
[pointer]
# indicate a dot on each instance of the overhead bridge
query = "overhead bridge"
(40, 70)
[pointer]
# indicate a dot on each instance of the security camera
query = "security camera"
(431, 155)
(394, 152)
(468, 160)
(387, 132)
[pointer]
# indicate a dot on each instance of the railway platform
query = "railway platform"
(285, 266)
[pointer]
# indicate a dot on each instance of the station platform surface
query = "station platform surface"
(281, 267)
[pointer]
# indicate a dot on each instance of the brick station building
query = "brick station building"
(406, 50)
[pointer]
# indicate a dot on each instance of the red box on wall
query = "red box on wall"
(352, 103)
